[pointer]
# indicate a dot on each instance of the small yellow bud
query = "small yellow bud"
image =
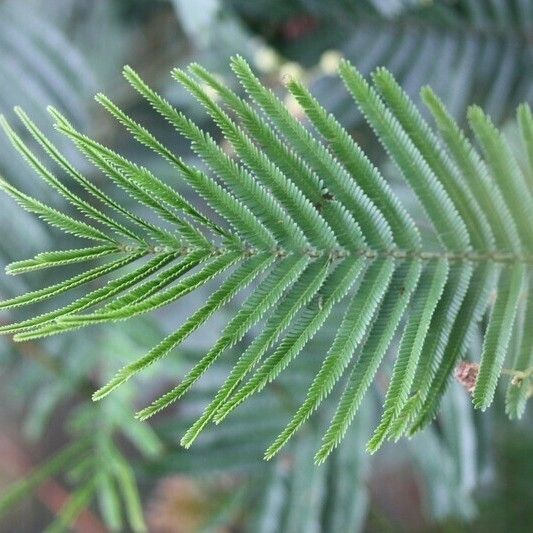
(266, 59)
(290, 71)
(329, 62)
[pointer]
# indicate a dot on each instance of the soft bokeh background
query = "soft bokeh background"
(469, 471)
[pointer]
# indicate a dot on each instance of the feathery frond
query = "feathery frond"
(310, 232)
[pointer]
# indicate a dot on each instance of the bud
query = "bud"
(466, 374)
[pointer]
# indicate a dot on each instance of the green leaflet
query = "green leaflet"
(167, 296)
(475, 173)
(212, 408)
(472, 310)
(152, 286)
(440, 163)
(438, 337)
(244, 184)
(53, 217)
(198, 179)
(58, 288)
(49, 178)
(498, 334)
(60, 258)
(289, 162)
(525, 121)
(155, 280)
(298, 296)
(405, 233)
(351, 331)
(345, 190)
(265, 296)
(267, 174)
(245, 273)
(425, 299)
(282, 316)
(335, 289)
(372, 352)
(47, 323)
(306, 186)
(415, 169)
(505, 172)
(519, 388)
(84, 206)
(168, 194)
(230, 207)
(139, 183)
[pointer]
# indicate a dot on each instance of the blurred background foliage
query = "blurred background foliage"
(92, 467)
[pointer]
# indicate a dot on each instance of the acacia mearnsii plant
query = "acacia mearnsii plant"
(301, 215)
